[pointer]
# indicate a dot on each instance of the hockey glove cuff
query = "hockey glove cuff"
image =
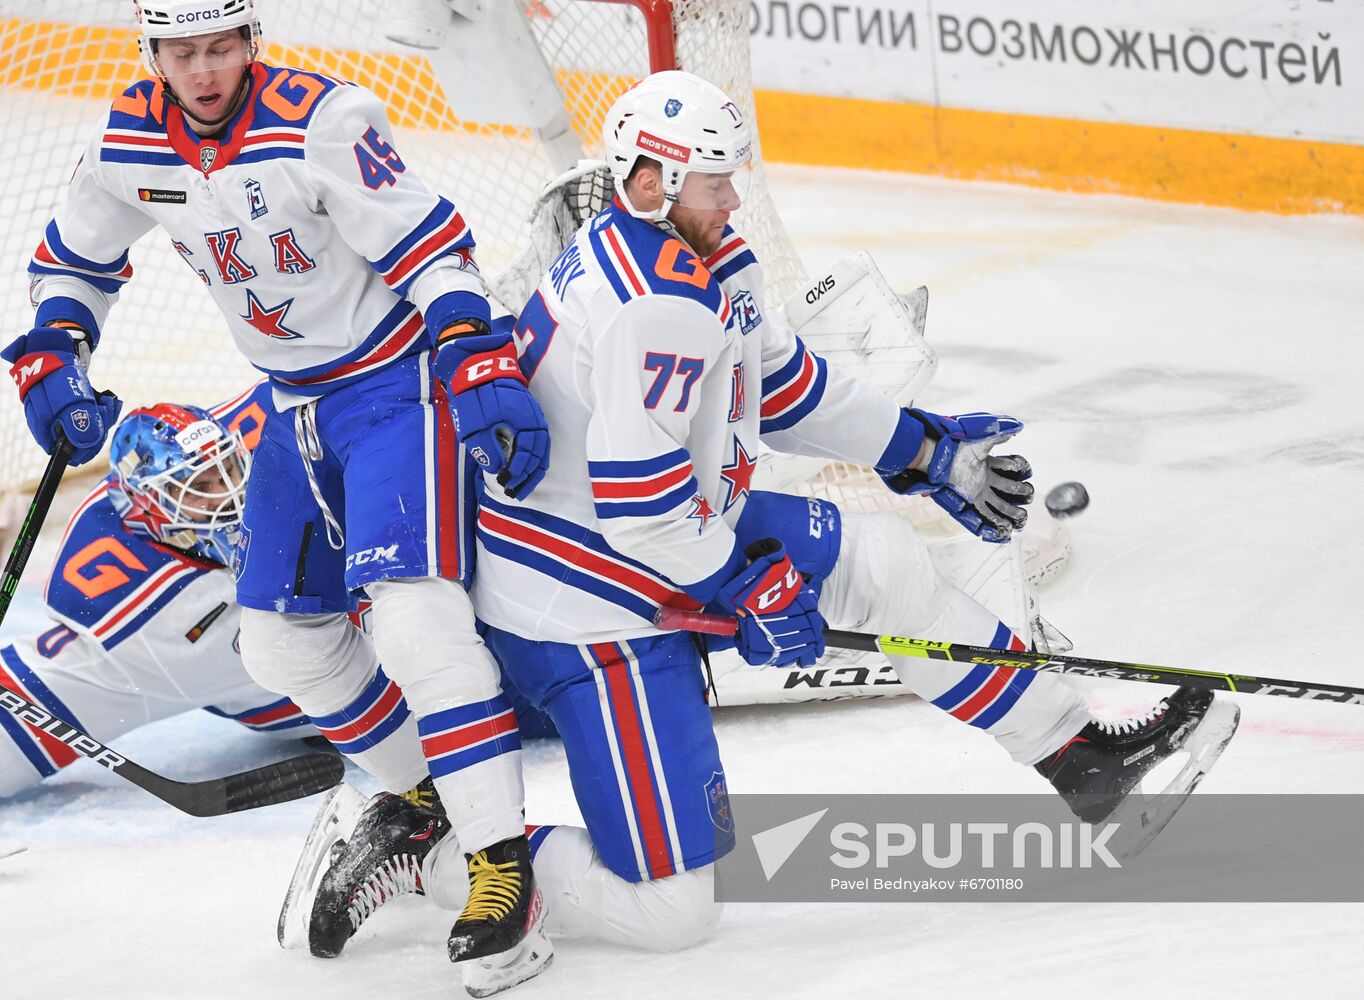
(48, 369)
(497, 418)
(779, 620)
(985, 493)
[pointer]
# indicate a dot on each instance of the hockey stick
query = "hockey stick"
(281, 782)
(284, 781)
(673, 619)
(33, 522)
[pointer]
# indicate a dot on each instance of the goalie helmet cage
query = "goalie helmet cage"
(63, 61)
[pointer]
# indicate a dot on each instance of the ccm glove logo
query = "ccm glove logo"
(487, 367)
(490, 368)
(31, 369)
(777, 596)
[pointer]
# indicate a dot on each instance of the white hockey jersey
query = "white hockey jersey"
(658, 373)
(140, 633)
(319, 246)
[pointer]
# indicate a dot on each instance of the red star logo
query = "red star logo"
(269, 321)
(738, 475)
(702, 511)
(143, 513)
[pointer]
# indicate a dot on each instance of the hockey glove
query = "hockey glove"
(779, 620)
(56, 393)
(985, 493)
(497, 418)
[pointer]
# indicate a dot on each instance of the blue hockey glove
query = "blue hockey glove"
(779, 620)
(497, 418)
(56, 393)
(985, 493)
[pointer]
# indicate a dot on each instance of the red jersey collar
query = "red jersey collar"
(208, 155)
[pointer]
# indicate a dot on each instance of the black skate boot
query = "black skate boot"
(498, 939)
(361, 870)
(1097, 771)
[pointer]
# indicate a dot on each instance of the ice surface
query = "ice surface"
(1196, 369)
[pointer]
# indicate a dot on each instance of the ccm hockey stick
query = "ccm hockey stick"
(673, 619)
(284, 781)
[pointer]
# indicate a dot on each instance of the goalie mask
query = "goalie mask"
(699, 136)
(181, 478)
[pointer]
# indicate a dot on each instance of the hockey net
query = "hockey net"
(63, 61)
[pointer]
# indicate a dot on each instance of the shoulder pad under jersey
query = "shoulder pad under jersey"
(288, 98)
(107, 579)
(247, 412)
(641, 259)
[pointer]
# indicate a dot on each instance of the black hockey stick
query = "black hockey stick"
(33, 522)
(673, 619)
(284, 781)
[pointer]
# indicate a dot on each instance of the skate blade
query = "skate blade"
(484, 977)
(335, 820)
(1142, 817)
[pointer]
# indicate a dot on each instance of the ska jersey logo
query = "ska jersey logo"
(225, 248)
(255, 199)
(746, 308)
(672, 108)
(717, 801)
(239, 555)
(702, 512)
(267, 321)
(290, 257)
(737, 476)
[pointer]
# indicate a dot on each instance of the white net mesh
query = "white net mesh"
(62, 61)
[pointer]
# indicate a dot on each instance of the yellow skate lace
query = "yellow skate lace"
(423, 795)
(493, 889)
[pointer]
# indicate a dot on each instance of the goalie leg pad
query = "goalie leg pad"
(885, 582)
(850, 315)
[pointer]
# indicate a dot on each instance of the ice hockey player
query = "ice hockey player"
(354, 288)
(142, 594)
(660, 369)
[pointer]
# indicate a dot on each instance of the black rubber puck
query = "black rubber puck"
(1067, 499)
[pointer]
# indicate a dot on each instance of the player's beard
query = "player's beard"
(701, 233)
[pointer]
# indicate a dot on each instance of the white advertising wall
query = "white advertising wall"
(1282, 68)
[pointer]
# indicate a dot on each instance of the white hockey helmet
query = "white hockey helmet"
(691, 127)
(163, 19)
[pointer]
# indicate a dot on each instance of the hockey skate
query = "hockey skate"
(498, 940)
(1098, 771)
(356, 860)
